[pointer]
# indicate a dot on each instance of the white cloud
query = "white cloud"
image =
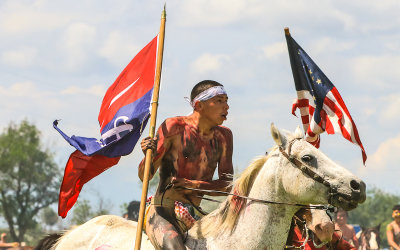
(332, 45)
(391, 109)
(346, 19)
(382, 165)
(211, 13)
(209, 62)
(77, 42)
(25, 89)
(97, 90)
(117, 46)
(373, 71)
(77, 107)
(275, 50)
(224, 12)
(24, 100)
(28, 17)
(22, 57)
(376, 15)
(393, 45)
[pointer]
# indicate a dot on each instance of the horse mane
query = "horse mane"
(48, 241)
(224, 219)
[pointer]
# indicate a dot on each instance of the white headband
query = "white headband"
(208, 94)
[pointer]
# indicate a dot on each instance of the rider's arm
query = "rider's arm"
(163, 143)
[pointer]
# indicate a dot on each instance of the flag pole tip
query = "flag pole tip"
(164, 12)
(287, 32)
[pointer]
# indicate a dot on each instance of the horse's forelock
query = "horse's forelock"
(290, 135)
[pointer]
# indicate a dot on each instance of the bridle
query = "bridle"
(333, 192)
(303, 168)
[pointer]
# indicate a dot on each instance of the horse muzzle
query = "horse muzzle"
(324, 231)
(348, 195)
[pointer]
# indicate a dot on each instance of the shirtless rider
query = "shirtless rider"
(188, 151)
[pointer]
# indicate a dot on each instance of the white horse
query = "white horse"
(118, 233)
(293, 172)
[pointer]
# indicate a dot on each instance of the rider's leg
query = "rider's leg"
(162, 230)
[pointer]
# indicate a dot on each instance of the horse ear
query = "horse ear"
(298, 133)
(278, 137)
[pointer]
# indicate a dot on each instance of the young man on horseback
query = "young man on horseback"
(188, 151)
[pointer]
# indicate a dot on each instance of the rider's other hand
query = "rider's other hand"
(183, 182)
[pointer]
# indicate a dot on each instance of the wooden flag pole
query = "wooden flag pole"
(153, 117)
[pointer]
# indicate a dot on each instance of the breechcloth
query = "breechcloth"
(185, 214)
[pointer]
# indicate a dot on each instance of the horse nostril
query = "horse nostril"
(355, 185)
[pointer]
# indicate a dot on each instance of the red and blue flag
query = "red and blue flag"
(321, 106)
(123, 115)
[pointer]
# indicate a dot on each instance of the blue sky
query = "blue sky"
(58, 57)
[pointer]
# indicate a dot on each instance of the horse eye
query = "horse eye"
(307, 158)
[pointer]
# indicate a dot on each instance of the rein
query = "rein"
(322, 207)
(303, 168)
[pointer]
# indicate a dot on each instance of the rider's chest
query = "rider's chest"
(200, 148)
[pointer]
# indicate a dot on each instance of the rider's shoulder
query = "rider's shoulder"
(172, 126)
(224, 130)
(177, 121)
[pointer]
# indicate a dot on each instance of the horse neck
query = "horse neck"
(266, 225)
(260, 225)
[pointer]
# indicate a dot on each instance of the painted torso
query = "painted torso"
(188, 154)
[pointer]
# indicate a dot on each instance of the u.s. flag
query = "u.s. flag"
(123, 114)
(321, 106)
